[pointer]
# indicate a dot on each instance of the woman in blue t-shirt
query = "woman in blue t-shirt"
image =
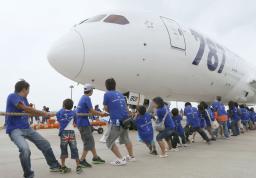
(163, 113)
(145, 129)
(209, 118)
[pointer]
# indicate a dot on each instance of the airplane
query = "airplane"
(151, 55)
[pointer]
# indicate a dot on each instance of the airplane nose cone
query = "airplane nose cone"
(67, 55)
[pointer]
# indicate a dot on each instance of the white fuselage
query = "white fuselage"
(154, 56)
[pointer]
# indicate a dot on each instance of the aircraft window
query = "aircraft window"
(94, 19)
(117, 19)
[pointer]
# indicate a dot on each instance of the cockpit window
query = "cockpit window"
(117, 19)
(94, 19)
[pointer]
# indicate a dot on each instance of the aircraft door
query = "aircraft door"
(176, 36)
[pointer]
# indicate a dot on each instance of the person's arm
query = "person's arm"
(75, 119)
(97, 113)
(105, 103)
(105, 108)
(92, 111)
(33, 111)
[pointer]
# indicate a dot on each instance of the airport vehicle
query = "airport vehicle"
(151, 55)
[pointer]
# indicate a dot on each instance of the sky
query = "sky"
(29, 27)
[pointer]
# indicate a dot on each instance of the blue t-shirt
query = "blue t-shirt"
(177, 120)
(209, 115)
(202, 119)
(169, 123)
(215, 105)
(244, 114)
(192, 116)
(116, 103)
(16, 122)
(64, 117)
(144, 127)
(84, 106)
(252, 116)
(219, 108)
(235, 115)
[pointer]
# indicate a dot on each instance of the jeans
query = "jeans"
(224, 125)
(165, 134)
(211, 132)
(201, 132)
(18, 136)
(68, 138)
(170, 135)
(235, 127)
(183, 139)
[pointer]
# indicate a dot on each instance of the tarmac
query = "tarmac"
(234, 158)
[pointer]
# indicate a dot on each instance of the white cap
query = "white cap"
(88, 87)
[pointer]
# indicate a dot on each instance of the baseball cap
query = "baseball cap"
(88, 87)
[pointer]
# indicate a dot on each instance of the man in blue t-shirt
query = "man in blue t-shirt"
(193, 121)
(209, 119)
(84, 110)
(115, 103)
(245, 116)
(234, 115)
(17, 126)
(252, 119)
(221, 116)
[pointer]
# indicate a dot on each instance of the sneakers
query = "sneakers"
(129, 158)
(56, 169)
(65, 170)
(98, 160)
(175, 149)
(179, 145)
(163, 155)
(32, 175)
(153, 152)
(79, 169)
(85, 164)
(118, 162)
(185, 145)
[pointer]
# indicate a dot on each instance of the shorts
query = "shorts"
(116, 132)
(68, 138)
(87, 137)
